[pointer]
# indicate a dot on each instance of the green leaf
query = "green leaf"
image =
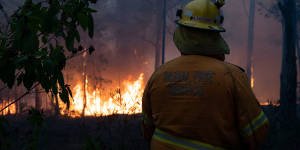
(61, 80)
(27, 82)
(82, 20)
(70, 42)
(90, 10)
(64, 96)
(54, 89)
(69, 90)
(77, 35)
(91, 50)
(20, 61)
(49, 66)
(3, 37)
(20, 78)
(7, 73)
(44, 39)
(91, 25)
(45, 83)
(30, 43)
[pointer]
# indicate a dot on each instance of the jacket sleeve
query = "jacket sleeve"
(252, 123)
(147, 123)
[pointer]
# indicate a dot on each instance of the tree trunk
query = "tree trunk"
(164, 26)
(158, 33)
(288, 78)
(38, 99)
(18, 102)
(84, 85)
(57, 112)
(250, 42)
(54, 104)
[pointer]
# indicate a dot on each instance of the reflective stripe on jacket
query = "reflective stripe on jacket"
(182, 142)
(260, 120)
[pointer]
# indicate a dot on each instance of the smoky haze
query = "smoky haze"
(125, 42)
(131, 25)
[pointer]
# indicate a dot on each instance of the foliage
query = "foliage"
(36, 121)
(270, 9)
(283, 133)
(33, 50)
(5, 142)
(91, 144)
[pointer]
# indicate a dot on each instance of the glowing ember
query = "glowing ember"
(264, 103)
(124, 101)
(10, 110)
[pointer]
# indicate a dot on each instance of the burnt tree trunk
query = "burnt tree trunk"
(54, 103)
(15, 97)
(250, 42)
(288, 78)
(38, 99)
(84, 84)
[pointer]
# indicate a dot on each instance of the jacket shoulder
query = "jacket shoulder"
(242, 69)
(236, 67)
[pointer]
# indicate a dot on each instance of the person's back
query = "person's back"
(188, 99)
(197, 101)
(195, 97)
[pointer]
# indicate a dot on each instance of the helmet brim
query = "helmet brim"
(201, 26)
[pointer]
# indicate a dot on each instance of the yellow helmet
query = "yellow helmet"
(202, 14)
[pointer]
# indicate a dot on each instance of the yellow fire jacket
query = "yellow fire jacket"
(200, 103)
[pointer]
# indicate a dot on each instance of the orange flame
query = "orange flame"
(9, 110)
(127, 101)
(252, 77)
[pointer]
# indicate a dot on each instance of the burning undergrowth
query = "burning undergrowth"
(89, 101)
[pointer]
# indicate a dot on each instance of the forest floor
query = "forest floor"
(117, 132)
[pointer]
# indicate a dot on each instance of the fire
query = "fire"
(123, 101)
(9, 110)
(252, 77)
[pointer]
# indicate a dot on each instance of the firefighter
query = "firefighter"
(197, 101)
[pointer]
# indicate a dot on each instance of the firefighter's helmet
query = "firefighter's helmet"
(202, 14)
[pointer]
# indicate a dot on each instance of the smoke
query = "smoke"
(128, 31)
(125, 33)
(266, 52)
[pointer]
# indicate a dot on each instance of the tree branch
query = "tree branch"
(19, 98)
(77, 54)
(282, 8)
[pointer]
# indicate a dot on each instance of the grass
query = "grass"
(120, 132)
(117, 132)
